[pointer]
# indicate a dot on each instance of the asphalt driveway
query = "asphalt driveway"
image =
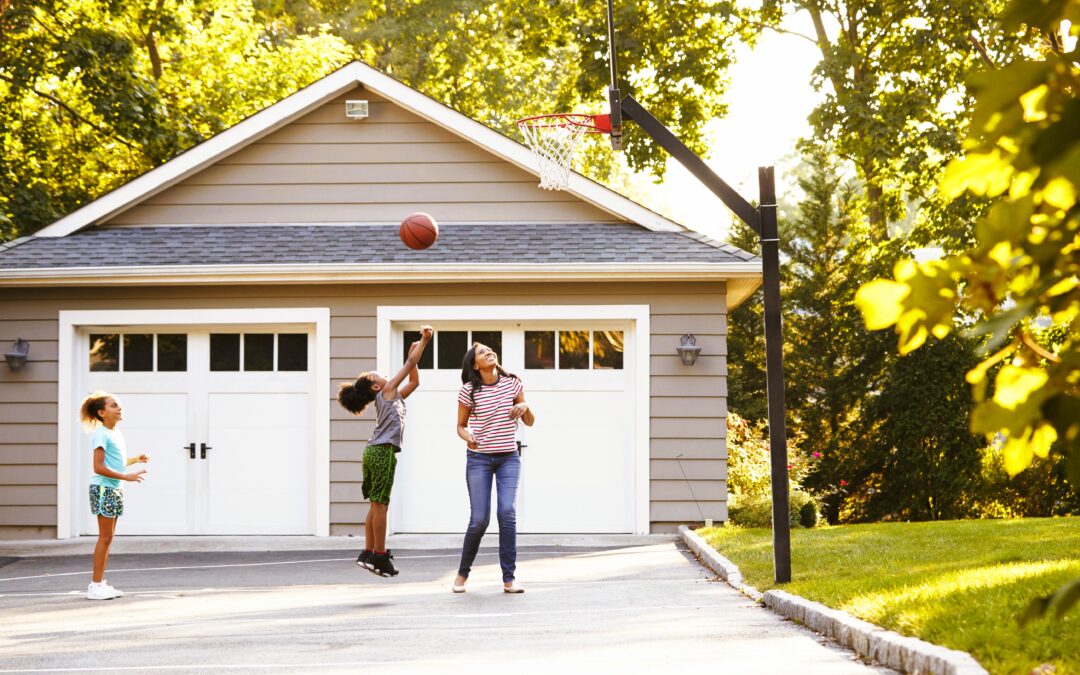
(648, 608)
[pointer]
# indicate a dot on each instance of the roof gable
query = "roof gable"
(323, 168)
(305, 101)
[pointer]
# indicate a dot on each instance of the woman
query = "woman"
(490, 403)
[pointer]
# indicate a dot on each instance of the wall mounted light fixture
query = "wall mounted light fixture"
(16, 358)
(688, 350)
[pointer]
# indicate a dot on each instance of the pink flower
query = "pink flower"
(816, 454)
(843, 482)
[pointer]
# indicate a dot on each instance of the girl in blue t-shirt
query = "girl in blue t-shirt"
(100, 413)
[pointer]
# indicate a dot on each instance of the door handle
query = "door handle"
(204, 447)
(190, 447)
(521, 446)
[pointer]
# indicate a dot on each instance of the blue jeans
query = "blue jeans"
(479, 468)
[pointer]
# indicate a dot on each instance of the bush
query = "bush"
(749, 478)
(756, 511)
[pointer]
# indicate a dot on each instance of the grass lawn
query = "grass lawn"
(960, 584)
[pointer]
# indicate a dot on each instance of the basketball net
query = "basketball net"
(554, 138)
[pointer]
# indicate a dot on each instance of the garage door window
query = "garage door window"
(258, 352)
(138, 352)
(449, 346)
(573, 350)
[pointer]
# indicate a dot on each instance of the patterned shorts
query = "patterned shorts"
(106, 501)
(380, 461)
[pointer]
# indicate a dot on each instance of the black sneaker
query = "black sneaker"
(381, 564)
(364, 559)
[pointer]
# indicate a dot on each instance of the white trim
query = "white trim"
(69, 362)
(743, 278)
(386, 315)
(281, 113)
(353, 272)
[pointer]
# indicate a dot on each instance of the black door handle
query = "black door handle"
(521, 446)
(191, 448)
(204, 447)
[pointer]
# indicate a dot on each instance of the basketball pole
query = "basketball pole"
(762, 220)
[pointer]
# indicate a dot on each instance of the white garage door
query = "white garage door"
(226, 415)
(577, 460)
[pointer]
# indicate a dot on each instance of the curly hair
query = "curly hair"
(355, 396)
(91, 406)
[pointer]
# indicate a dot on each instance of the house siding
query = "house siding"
(324, 168)
(688, 410)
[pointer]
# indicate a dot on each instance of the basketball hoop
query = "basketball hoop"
(553, 139)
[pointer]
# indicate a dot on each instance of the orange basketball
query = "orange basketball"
(419, 231)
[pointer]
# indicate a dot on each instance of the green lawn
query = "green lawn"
(960, 584)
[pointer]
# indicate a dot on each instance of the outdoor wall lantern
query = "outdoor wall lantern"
(16, 358)
(688, 350)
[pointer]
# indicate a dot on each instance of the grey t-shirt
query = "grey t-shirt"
(389, 421)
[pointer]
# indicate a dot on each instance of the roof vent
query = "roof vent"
(356, 110)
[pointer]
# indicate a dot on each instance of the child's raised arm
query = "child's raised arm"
(408, 369)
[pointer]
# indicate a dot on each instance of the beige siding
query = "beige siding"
(688, 406)
(326, 168)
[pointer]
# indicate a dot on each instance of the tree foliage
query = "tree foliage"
(893, 72)
(921, 462)
(498, 61)
(1021, 274)
(94, 93)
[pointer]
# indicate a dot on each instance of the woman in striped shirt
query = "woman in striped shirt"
(490, 403)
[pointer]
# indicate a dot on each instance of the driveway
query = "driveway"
(648, 607)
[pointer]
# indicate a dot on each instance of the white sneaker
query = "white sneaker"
(101, 591)
(119, 593)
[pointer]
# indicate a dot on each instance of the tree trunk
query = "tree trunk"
(151, 43)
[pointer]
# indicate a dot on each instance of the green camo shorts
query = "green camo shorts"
(380, 461)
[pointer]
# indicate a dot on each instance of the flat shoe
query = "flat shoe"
(513, 588)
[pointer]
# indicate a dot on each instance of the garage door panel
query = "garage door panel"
(258, 466)
(575, 468)
(156, 425)
(430, 492)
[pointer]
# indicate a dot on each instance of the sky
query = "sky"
(769, 100)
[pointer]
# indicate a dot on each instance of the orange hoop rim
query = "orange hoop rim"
(582, 122)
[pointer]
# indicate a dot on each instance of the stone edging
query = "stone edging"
(905, 654)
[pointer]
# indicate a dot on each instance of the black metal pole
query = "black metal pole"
(774, 368)
(614, 107)
(677, 149)
(763, 221)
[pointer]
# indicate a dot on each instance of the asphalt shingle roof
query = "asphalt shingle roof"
(341, 244)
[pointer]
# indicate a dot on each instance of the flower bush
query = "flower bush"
(749, 477)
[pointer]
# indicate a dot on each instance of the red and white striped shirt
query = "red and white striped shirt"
(490, 420)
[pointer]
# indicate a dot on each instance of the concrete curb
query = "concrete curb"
(888, 648)
(718, 563)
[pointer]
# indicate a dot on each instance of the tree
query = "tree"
(894, 73)
(921, 462)
(1023, 272)
(498, 61)
(94, 93)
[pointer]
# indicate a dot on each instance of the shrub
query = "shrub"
(749, 478)
(756, 511)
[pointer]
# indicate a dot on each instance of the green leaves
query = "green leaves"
(94, 93)
(1025, 263)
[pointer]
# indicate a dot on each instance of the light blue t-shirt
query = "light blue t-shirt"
(115, 454)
